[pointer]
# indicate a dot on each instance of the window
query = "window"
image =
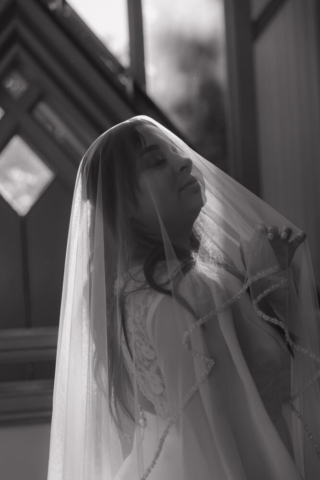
(62, 134)
(108, 21)
(15, 84)
(185, 68)
(23, 176)
(184, 47)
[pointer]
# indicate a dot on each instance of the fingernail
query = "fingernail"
(284, 235)
(270, 236)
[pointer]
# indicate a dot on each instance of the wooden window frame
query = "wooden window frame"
(104, 77)
(27, 401)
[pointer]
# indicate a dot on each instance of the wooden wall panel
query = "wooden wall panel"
(47, 230)
(287, 84)
(12, 372)
(11, 275)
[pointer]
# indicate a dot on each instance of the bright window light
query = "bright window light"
(23, 175)
(108, 19)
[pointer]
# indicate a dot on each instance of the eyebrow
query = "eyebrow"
(148, 149)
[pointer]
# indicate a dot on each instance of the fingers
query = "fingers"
(298, 240)
(272, 232)
(261, 227)
(286, 233)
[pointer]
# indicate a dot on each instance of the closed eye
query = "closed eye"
(157, 163)
(177, 149)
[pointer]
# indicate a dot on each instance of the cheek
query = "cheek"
(156, 193)
(156, 200)
(146, 212)
(166, 202)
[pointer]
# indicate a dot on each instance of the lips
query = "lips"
(189, 182)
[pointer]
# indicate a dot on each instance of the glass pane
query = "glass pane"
(2, 113)
(185, 68)
(15, 84)
(108, 19)
(23, 175)
(45, 115)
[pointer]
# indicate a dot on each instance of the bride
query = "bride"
(189, 343)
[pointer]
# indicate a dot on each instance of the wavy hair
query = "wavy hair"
(110, 165)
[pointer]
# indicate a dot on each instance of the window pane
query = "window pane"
(23, 175)
(62, 134)
(185, 68)
(2, 113)
(15, 84)
(108, 19)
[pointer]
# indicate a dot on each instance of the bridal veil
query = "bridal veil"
(188, 380)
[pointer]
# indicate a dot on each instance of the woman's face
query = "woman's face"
(167, 187)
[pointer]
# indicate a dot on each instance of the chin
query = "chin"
(203, 197)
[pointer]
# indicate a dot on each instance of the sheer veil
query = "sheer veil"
(175, 360)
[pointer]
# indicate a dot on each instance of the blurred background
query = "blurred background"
(238, 80)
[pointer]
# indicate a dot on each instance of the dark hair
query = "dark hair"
(112, 160)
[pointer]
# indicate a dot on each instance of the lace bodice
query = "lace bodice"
(138, 307)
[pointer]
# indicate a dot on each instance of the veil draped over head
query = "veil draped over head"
(176, 364)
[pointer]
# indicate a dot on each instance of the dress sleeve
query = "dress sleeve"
(223, 427)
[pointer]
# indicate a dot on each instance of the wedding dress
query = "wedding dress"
(219, 388)
(150, 331)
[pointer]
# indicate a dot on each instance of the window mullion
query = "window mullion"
(136, 41)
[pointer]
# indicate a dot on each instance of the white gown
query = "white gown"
(233, 427)
(203, 364)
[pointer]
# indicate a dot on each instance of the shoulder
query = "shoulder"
(207, 280)
(192, 297)
(202, 290)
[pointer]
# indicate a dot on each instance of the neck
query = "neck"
(144, 245)
(180, 242)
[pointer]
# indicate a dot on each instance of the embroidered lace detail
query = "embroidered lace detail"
(143, 362)
(260, 275)
(210, 362)
(273, 396)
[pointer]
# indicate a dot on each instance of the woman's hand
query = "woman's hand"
(283, 248)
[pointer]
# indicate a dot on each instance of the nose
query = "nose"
(184, 164)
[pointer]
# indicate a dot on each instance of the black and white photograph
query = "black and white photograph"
(159, 239)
